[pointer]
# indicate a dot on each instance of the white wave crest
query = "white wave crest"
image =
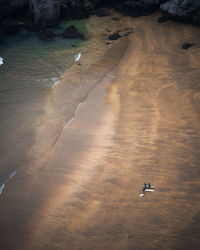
(55, 81)
(77, 57)
(12, 173)
(8, 176)
(2, 187)
(51, 82)
(1, 60)
(66, 124)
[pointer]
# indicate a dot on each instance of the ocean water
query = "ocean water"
(30, 100)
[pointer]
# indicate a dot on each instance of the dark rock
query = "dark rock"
(107, 43)
(79, 9)
(72, 33)
(46, 34)
(185, 10)
(75, 14)
(114, 36)
(10, 26)
(108, 30)
(13, 8)
(196, 18)
(76, 10)
(128, 33)
(45, 13)
(137, 8)
(128, 28)
(116, 18)
(164, 18)
(1, 40)
(102, 12)
(187, 45)
(20, 8)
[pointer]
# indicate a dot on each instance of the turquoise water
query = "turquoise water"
(33, 61)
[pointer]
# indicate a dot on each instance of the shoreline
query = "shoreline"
(77, 86)
(42, 170)
(50, 107)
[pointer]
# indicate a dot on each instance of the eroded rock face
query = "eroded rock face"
(79, 9)
(186, 10)
(45, 13)
(83, 8)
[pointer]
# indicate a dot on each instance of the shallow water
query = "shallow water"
(31, 67)
(30, 71)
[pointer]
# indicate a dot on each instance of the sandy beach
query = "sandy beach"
(140, 123)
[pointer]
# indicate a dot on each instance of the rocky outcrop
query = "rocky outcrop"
(185, 10)
(187, 45)
(138, 8)
(72, 33)
(83, 8)
(101, 12)
(45, 13)
(114, 36)
(79, 9)
(42, 14)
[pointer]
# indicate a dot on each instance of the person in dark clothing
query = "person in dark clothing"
(149, 185)
(145, 186)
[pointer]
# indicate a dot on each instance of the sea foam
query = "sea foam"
(77, 57)
(55, 81)
(6, 178)
(66, 124)
(51, 82)
(1, 187)
(1, 60)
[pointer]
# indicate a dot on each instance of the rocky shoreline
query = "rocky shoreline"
(21, 15)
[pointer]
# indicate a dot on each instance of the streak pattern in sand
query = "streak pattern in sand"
(144, 128)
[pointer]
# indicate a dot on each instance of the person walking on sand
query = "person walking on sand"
(145, 186)
(149, 185)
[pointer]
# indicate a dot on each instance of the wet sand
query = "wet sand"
(141, 123)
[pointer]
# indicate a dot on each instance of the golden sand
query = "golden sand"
(140, 124)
